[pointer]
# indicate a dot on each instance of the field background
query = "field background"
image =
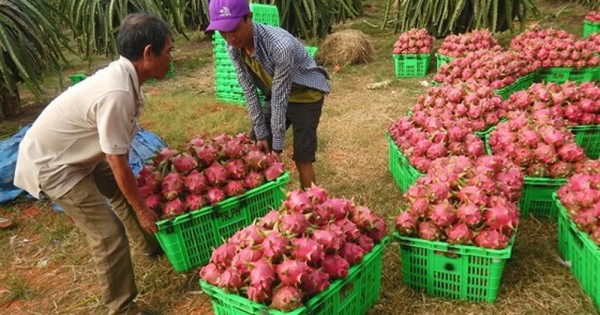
(46, 267)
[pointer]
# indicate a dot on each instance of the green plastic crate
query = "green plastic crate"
(442, 60)
(403, 172)
(411, 65)
(453, 271)
(582, 254)
(588, 137)
(536, 197)
(590, 27)
(188, 240)
(353, 295)
(312, 51)
(265, 14)
(561, 75)
(77, 77)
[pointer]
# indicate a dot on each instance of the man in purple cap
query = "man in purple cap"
(271, 59)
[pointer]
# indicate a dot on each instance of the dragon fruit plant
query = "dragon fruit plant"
(464, 201)
(581, 197)
(206, 172)
(292, 254)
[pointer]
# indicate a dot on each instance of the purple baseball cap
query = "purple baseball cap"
(225, 15)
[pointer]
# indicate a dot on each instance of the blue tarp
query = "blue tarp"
(143, 147)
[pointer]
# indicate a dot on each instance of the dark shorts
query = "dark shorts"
(304, 119)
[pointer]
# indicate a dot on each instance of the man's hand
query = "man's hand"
(147, 220)
(263, 145)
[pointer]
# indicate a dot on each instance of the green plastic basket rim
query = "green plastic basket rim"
(411, 56)
(584, 237)
(590, 22)
(584, 128)
(472, 250)
(167, 223)
(443, 56)
(316, 300)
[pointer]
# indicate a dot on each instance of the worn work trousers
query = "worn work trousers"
(107, 233)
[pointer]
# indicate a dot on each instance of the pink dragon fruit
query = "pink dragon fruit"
(275, 246)
(236, 169)
(492, 239)
(328, 240)
(294, 223)
(233, 149)
(459, 234)
(174, 208)
(314, 281)
(352, 253)
(184, 163)
(230, 280)
(242, 259)
(273, 171)
(253, 179)
(316, 194)
(195, 182)
(206, 154)
(256, 159)
(469, 214)
(262, 274)
(308, 250)
(443, 214)
(286, 298)
(259, 294)
(172, 186)
(211, 273)
(195, 202)
(429, 231)
(223, 255)
(335, 266)
(269, 220)
(290, 272)
(406, 224)
(366, 243)
(297, 201)
(234, 188)
(216, 174)
(215, 195)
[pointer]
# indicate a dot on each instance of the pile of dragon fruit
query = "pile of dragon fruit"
(578, 104)
(414, 41)
(423, 139)
(592, 16)
(538, 143)
(489, 68)
(546, 48)
(478, 104)
(290, 255)
(460, 45)
(205, 173)
(464, 201)
(581, 197)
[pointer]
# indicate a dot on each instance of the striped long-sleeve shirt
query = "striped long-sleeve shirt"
(284, 58)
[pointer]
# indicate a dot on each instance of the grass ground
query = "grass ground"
(46, 267)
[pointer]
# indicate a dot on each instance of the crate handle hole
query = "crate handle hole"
(449, 267)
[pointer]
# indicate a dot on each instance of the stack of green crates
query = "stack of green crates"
(227, 86)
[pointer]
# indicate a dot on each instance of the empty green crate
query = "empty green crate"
(403, 172)
(588, 137)
(188, 240)
(590, 27)
(411, 65)
(581, 252)
(561, 75)
(353, 295)
(442, 60)
(452, 271)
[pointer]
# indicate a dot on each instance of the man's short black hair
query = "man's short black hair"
(139, 30)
